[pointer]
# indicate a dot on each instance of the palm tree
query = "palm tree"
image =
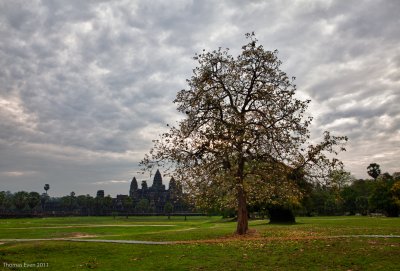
(374, 170)
(46, 187)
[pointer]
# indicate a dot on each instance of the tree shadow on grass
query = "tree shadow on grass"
(283, 223)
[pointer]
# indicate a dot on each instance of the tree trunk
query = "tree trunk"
(242, 219)
(242, 215)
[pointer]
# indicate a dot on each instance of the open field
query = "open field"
(200, 243)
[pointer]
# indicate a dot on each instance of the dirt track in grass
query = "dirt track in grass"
(87, 226)
(251, 236)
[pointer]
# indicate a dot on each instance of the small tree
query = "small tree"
(127, 204)
(245, 134)
(168, 208)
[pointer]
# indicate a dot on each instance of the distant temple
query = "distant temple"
(156, 196)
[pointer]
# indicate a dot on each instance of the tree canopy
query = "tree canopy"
(245, 136)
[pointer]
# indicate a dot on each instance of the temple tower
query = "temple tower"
(157, 182)
(133, 189)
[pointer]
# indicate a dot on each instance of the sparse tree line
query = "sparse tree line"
(340, 194)
(24, 203)
(346, 195)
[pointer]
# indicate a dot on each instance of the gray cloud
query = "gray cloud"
(85, 86)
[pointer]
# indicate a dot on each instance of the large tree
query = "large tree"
(244, 136)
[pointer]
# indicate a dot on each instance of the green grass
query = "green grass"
(311, 244)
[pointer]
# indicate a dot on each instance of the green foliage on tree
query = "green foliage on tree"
(349, 197)
(82, 201)
(2, 199)
(362, 205)
(99, 204)
(20, 200)
(356, 196)
(152, 206)
(85, 203)
(395, 193)
(143, 206)
(127, 203)
(33, 200)
(244, 136)
(382, 199)
(108, 202)
(339, 179)
(69, 202)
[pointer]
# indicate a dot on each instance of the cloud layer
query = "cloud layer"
(86, 85)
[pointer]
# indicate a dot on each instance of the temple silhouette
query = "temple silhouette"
(157, 196)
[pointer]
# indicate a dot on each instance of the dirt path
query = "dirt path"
(3, 241)
(266, 239)
(88, 226)
(208, 241)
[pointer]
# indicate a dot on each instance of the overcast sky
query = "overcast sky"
(86, 85)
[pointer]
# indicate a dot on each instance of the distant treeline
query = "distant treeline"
(344, 195)
(364, 197)
(341, 194)
(33, 204)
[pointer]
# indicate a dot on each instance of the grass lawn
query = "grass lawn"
(205, 243)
